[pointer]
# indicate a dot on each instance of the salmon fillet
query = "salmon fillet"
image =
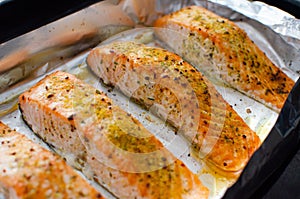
(222, 51)
(163, 82)
(29, 171)
(110, 145)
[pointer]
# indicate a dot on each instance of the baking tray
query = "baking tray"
(64, 44)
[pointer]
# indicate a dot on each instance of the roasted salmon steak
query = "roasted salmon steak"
(221, 50)
(163, 82)
(27, 170)
(108, 144)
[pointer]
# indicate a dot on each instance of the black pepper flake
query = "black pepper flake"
(225, 164)
(67, 77)
(147, 78)
(71, 117)
(192, 70)
(267, 91)
(49, 96)
(244, 136)
(73, 128)
(98, 92)
(23, 98)
(166, 57)
(46, 87)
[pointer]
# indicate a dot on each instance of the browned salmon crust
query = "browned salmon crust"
(187, 100)
(29, 171)
(221, 50)
(120, 153)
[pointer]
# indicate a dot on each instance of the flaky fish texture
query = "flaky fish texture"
(107, 143)
(223, 51)
(29, 171)
(164, 83)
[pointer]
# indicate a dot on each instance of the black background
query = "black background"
(20, 16)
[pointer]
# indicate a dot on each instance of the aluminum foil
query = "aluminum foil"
(64, 45)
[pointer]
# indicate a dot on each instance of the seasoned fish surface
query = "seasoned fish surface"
(223, 51)
(29, 171)
(163, 82)
(109, 144)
